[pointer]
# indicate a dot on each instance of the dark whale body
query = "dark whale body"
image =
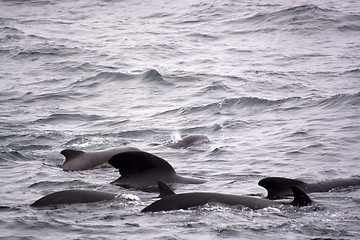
(76, 160)
(171, 201)
(142, 170)
(73, 196)
(278, 187)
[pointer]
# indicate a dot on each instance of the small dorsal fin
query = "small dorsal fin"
(164, 190)
(300, 197)
(71, 153)
(278, 186)
(135, 162)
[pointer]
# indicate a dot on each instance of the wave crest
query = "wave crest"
(340, 100)
(228, 105)
(151, 76)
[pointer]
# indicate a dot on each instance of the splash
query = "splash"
(175, 136)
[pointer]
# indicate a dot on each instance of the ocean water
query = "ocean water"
(275, 86)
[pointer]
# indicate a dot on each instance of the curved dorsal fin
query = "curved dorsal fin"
(164, 190)
(134, 162)
(300, 198)
(277, 186)
(71, 153)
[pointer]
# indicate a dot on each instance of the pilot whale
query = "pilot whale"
(278, 187)
(171, 201)
(76, 160)
(189, 140)
(142, 170)
(73, 196)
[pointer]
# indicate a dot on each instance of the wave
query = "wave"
(33, 44)
(290, 15)
(12, 156)
(62, 117)
(52, 184)
(250, 103)
(150, 76)
(303, 17)
(60, 51)
(350, 23)
(108, 76)
(227, 105)
(352, 71)
(350, 27)
(138, 133)
(10, 34)
(83, 67)
(203, 36)
(341, 100)
(30, 98)
(216, 86)
(158, 15)
(255, 104)
(259, 30)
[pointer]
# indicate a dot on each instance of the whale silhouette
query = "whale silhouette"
(72, 196)
(171, 201)
(278, 187)
(76, 160)
(189, 140)
(142, 170)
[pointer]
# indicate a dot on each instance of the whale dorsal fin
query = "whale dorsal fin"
(71, 154)
(164, 190)
(277, 186)
(135, 162)
(300, 198)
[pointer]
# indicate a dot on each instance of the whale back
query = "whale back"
(136, 162)
(71, 153)
(76, 160)
(190, 140)
(72, 196)
(142, 170)
(277, 186)
(73, 160)
(327, 185)
(172, 201)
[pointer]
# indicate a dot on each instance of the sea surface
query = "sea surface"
(274, 85)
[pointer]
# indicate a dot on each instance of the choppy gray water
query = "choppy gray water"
(275, 87)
